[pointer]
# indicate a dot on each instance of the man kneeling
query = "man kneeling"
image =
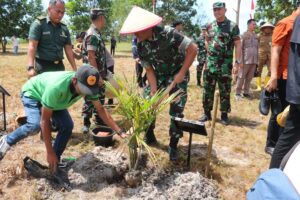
(47, 96)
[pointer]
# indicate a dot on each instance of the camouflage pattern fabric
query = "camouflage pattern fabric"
(177, 107)
(224, 85)
(166, 54)
(201, 56)
(264, 52)
(221, 37)
(93, 41)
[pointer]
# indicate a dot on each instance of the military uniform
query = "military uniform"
(166, 54)
(93, 41)
(201, 57)
(51, 41)
(220, 38)
(264, 52)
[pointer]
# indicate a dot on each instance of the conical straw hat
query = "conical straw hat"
(267, 25)
(138, 20)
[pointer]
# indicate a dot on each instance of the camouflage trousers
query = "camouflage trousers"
(176, 108)
(224, 83)
(263, 59)
(199, 72)
(88, 109)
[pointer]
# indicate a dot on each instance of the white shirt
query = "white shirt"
(15, 41)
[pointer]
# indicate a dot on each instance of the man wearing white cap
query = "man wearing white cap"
(166, 55)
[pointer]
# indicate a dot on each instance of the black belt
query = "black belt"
(56, 62)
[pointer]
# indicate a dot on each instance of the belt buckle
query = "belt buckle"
(56, 62)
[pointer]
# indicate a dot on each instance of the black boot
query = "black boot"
(205, 117)
(86, 125)
(172, 150)
(224, 118)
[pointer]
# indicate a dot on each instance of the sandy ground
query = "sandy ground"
(238, 151)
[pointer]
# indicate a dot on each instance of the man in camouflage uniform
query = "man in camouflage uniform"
(48, 36)
(222, 37)
(166, 55)
(94, 53)
(202, 54)
(264, 52)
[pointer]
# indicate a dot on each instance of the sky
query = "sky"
(230, 5)
(245, 10)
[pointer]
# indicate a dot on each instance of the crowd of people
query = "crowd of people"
(166, 55)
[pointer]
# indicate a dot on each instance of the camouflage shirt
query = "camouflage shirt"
(202, 53)
(165, 52)
(93, 42)
(265, 42)
(220, 38)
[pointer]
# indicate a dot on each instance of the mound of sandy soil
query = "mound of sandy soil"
(99, 174)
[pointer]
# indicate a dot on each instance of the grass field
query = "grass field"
(238, 150)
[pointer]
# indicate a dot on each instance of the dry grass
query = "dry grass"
(238, 150)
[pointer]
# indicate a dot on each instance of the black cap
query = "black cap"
(87, 79)
(80, 35)
(176, 23)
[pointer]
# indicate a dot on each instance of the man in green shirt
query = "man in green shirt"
(47, 96)
(48, 36)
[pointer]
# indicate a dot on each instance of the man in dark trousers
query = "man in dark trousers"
(113, 44)
(291, 133)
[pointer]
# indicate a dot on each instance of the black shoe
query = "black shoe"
(150, 138)
(173, 154)
(276, 106)
(205, 117)
(265, 102)
(269, 150)
(224, 119)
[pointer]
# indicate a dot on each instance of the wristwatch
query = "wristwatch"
(121, 131)
(30, 67)
(238, 62)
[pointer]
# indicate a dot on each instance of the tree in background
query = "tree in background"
(16, 17)
(184, 10)
(79, 14)
(273, 10)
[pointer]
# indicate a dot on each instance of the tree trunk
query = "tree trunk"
(3, 45)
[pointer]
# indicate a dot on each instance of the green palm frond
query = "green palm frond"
(140, 112)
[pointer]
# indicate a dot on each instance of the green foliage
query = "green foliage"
(273, 10)
(184, 10)
(79, 13)
(16, 17)
(139, 112)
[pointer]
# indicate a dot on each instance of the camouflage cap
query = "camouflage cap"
(95, 12)
(219, 5)
(203, 27)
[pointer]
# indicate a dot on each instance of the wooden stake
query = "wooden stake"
(212, 131)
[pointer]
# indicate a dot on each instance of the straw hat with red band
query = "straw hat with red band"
(139, 20)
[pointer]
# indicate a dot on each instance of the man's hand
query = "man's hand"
(31, 73)
(178, 78)
(152, 92)
(235, 68)
(52, 160)
(271, 85)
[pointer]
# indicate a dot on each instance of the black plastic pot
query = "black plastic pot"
(105, 141)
